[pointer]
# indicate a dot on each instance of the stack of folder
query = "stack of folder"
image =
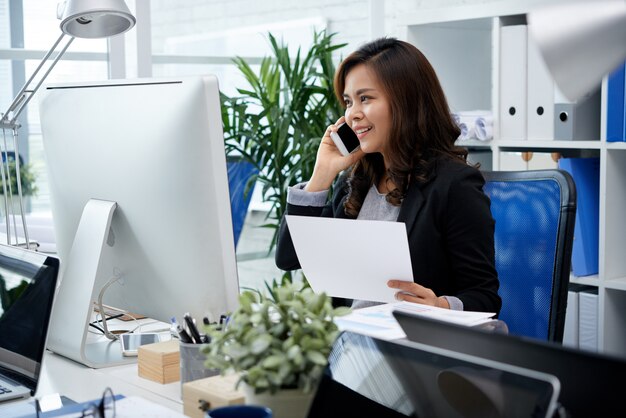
(616, 106)
(531, 105)
(581, 318)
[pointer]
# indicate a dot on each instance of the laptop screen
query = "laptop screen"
(370, 377)
(27, 286)
(575, 369)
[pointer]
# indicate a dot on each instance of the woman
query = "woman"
(407, 170)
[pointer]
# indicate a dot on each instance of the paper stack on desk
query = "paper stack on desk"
(378, 321)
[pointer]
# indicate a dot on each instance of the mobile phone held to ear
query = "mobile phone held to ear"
(131, 342)
(345, 139)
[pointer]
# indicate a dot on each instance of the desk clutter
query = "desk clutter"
(177, 359)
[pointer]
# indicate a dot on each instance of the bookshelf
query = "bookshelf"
(463, 42)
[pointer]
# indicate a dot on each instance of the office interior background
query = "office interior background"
(194, 37)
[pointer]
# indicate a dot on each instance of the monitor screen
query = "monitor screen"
(155, 148)
(27, 286)
(366, 376)
(589, 382)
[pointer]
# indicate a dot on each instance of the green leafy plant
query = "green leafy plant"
(278, 121)
(276, 340)
(27, 178)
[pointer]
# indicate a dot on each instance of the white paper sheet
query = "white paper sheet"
(351, 258)
(378, 321)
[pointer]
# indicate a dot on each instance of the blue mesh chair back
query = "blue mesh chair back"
(534, 213)
(241, 186)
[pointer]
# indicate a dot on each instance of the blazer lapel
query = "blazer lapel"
(411, 205)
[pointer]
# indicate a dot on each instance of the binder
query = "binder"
(616, 106)
(540, 106)
(586, 174)
(588, 320)
(570, 332)
(578, 120)
(513, 81)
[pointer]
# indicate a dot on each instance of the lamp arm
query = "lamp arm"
(9, 118)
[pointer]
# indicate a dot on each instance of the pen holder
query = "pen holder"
(192, 363)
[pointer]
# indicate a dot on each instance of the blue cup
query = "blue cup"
(240, 411)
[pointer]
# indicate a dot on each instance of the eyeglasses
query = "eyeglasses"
(103, 409)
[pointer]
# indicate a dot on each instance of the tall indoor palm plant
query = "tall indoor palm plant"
(276, 123)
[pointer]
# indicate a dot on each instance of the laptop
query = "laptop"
(27, 287)
(590, 382)
(366, 376)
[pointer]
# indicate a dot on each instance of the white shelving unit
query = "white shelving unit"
(462, 43)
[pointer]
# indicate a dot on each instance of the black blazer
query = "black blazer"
(450, 231)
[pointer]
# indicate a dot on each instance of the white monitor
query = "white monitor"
(139, 191)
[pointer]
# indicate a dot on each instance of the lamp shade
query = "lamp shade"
(580, 42)
(94, 18)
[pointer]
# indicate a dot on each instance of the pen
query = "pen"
(193, 331)
(182, 335)
(173, 329)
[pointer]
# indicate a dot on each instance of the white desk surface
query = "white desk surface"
(60, 375)
(81, 383)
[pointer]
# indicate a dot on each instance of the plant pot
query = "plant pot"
(286, 403)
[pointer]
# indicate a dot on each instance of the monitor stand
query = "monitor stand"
(79, 287)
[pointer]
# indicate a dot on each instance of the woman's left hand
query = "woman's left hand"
(413, 292)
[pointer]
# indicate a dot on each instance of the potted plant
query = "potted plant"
(278, 121)
(279, 343)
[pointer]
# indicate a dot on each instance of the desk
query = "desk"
(81, 383)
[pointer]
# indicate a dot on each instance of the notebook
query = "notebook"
(27, 286)
(366, 376)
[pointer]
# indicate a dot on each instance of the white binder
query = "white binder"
(513, 63)
(570, 332)
(540, 110)
(588, 320)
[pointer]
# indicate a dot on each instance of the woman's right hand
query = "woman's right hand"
(329, 161)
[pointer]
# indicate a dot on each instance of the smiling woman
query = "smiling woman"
(406, 170)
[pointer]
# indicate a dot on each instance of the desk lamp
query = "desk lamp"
(580, 42)
(79, 18)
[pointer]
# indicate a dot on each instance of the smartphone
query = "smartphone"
(345, 139)
(131, 342)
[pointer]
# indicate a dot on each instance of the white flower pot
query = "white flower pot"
(286, 403)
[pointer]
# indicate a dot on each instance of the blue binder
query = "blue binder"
(586, 174)
(616, 106)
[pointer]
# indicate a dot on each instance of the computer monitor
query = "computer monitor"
(139, 194)
(590, 382)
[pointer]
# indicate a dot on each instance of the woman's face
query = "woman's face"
(367, 109)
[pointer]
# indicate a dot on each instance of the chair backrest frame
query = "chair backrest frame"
(564, 238)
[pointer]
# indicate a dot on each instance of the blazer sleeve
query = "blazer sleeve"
(470, 238)
(286, 258)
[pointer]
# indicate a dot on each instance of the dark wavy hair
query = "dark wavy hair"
(421, 127)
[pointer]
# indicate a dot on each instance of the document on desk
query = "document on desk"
(351, 258)
(378, 321)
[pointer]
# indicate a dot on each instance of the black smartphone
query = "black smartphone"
(345, 139)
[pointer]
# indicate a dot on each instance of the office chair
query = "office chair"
(535, 213)
(239, 174)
